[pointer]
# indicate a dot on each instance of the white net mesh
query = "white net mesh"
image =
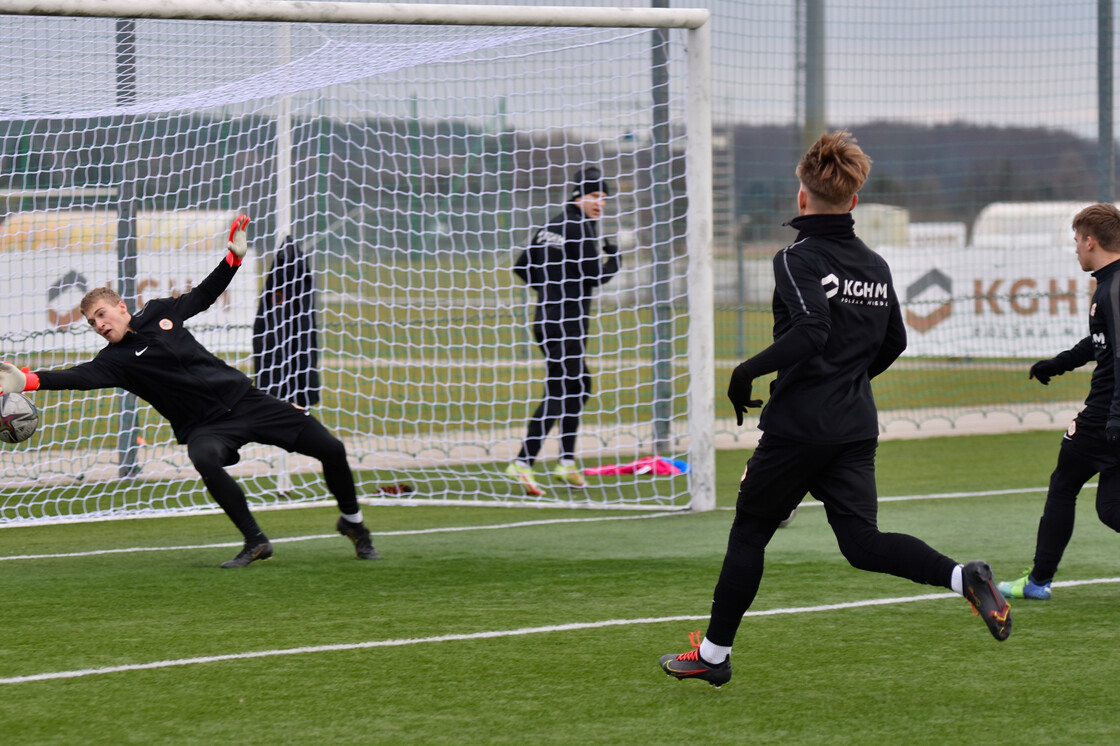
(409, 165)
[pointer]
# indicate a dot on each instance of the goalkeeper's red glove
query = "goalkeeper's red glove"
(14, 380)
(238, 242)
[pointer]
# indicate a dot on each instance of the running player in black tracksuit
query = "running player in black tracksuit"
(1091, 445)
(563, 266)
(213, 408)
(837, 325)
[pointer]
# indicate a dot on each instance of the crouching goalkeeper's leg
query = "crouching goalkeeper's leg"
(210, 456)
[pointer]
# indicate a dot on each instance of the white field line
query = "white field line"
(409, 532)
(489, 635)
(808, 503)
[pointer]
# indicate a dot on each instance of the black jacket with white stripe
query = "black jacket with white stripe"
(837, 324)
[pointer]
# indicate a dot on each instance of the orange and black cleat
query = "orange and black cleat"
(987, 602)
(691, 666)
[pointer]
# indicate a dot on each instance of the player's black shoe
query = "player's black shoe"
(359, 534)
(691, 666)
(987, 602)
(255, 549)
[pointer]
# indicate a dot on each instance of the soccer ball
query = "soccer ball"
(18, 418)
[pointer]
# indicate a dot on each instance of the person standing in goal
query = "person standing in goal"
(837, 325)
(1091, 445)
(213, 408)
(563, 265)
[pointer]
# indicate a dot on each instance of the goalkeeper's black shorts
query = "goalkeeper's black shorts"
(257, 418)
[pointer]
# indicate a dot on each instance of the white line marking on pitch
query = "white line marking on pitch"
(408, 532)
(808, 503)
(81, 673)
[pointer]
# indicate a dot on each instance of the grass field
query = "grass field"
(524, 626)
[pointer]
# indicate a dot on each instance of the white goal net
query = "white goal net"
(393, 174)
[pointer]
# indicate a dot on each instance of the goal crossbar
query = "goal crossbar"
(383, 13)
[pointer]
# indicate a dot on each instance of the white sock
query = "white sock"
(521, 464)
(353, 517)
(567, 462)
(712, 653)
(957, 581)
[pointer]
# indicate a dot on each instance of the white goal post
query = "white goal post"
(409, 152)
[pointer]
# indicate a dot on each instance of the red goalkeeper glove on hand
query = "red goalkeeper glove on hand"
(238, 242)
(13, 380)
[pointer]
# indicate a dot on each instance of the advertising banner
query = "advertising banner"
(50, 261)
(987, 302)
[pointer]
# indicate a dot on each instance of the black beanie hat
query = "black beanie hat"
(588, 180)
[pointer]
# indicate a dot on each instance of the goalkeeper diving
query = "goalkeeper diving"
(213, 408)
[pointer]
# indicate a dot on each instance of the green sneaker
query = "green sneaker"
(571, 474)
(526, 478)
(1025, 587)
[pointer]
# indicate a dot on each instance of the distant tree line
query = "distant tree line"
(939, 173)
(414, 186)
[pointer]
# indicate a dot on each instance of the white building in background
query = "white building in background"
(889, 225)
(1017, 225)
(928, 235)
(882, 225)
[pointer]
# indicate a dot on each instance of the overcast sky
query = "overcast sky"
(1002, 62)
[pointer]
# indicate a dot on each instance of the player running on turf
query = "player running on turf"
(1091, 445)
(837, 325)
(213, 408)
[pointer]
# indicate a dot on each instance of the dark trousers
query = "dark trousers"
(1082, 456)
(261, 418)
(842, 476)
(567, 386)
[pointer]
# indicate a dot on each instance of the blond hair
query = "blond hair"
(1102, 222)
(90, 299)
(834, 169)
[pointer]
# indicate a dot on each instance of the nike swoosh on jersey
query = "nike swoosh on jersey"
(141, 352)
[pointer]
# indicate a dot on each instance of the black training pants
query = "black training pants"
(842, 476)
(1082, 456)
(567, 383)
(261, 418)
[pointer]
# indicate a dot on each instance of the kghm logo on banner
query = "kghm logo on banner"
(935, 279)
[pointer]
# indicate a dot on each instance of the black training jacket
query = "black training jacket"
(563, 264)
(163, 364)
(1103, 402)
(836, 293)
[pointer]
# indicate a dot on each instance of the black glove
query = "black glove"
(610, 248)
(1112, 432)
(739, 391)
(1044, 370)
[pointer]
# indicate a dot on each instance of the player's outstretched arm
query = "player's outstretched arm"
(203, 295)
(14, 380)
